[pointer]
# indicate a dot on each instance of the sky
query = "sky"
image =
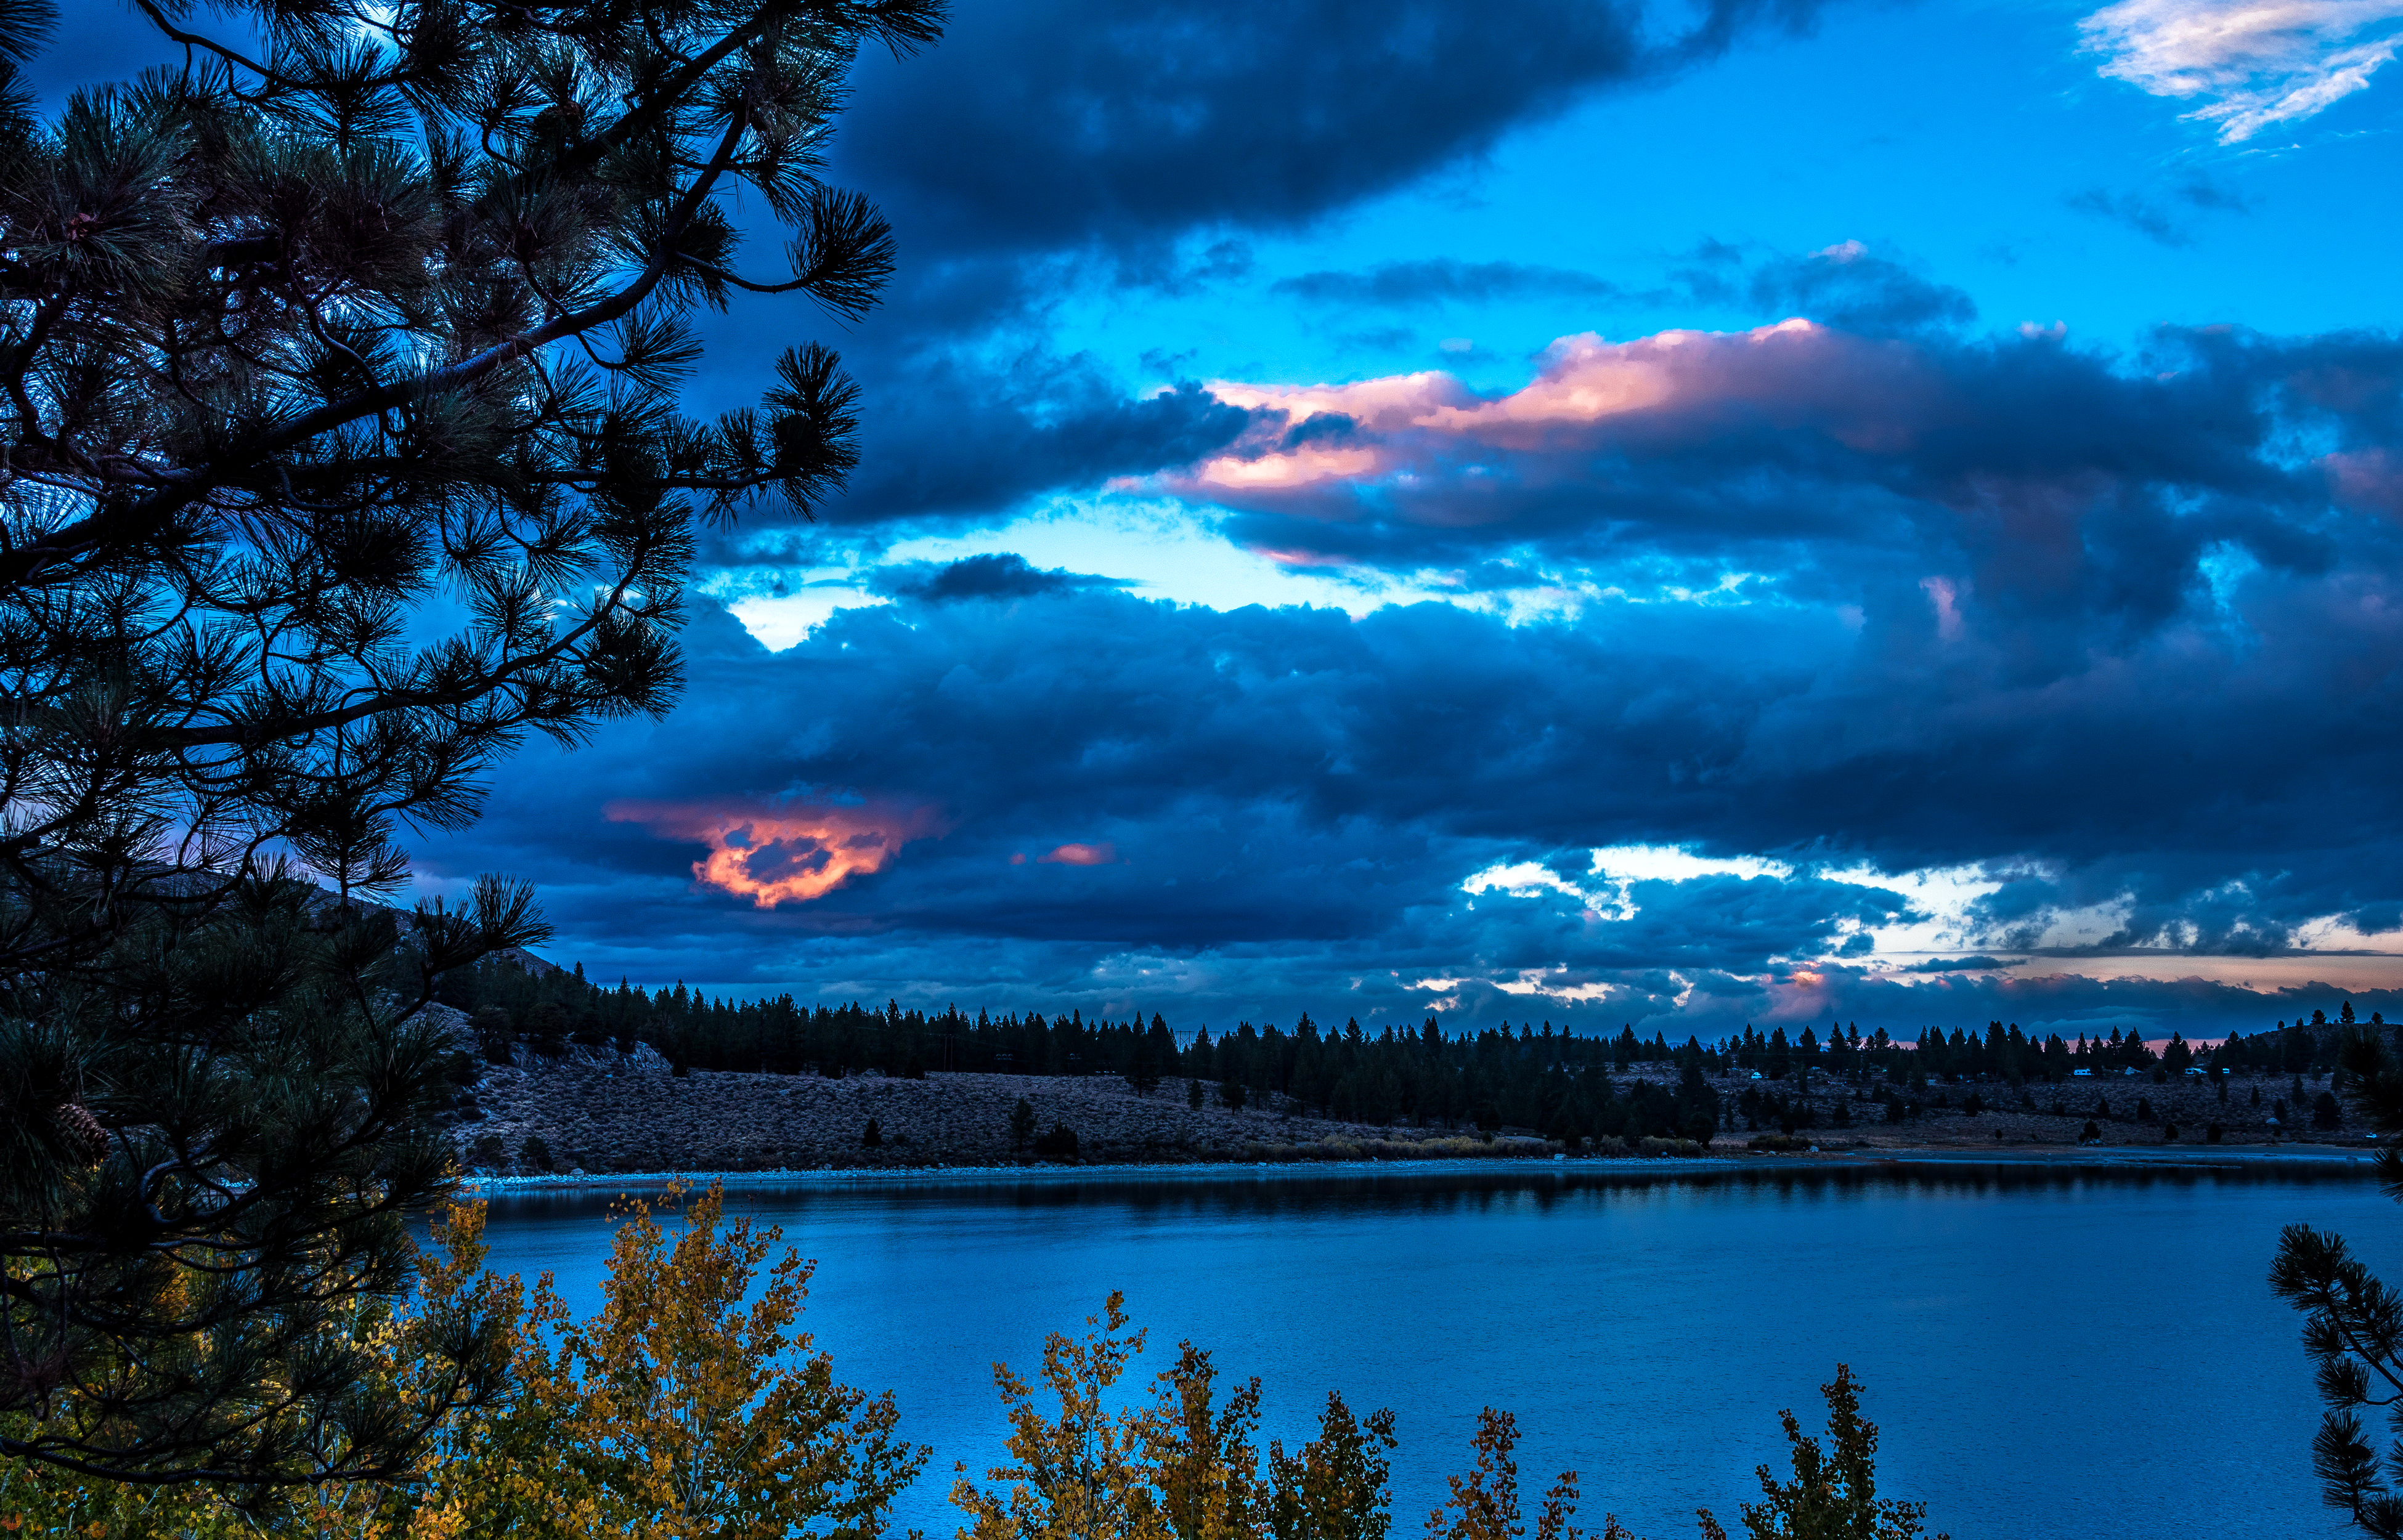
(1761, 512)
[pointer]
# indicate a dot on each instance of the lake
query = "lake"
(2063, 1352)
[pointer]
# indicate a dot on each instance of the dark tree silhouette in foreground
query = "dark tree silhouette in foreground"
(2354, 1322)
(339, 447)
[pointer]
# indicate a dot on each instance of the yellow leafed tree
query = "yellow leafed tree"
(1184, 1466)
(674, 1413)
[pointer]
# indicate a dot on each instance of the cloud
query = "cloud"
(1442, 280)
(1102, 854)
(2150, 218)
(2121, 635)
(1845, 286)
(1301, 803)
(2017, 487)
(1055, 124)
(1002, 574)
(2251, 64)
(791, 854)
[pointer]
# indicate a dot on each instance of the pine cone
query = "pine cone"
(82, 1131)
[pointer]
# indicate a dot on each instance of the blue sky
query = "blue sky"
(1563, 511)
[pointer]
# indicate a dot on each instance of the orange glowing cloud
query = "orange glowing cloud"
(797, 853)
(1083, 855)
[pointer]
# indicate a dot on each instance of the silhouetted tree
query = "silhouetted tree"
(2354, 1322)
(338, 413)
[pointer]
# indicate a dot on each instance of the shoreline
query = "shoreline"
(538, 1123)
(2324, 1160)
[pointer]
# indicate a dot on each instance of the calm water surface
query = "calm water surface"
(2071, 1353)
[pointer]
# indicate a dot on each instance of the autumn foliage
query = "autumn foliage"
(689, 1406)
(1183, 1465)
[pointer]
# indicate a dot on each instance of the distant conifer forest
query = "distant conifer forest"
(1561, 1082)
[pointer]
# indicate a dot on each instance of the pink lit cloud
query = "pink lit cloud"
(1671, 390)
(1082, 856)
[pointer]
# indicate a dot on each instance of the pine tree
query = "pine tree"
(363, 317)
(2353, 1322)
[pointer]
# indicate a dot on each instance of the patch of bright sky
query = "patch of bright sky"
(780, 620)
(1941, 924)
(1163, 550)
(1979, 143)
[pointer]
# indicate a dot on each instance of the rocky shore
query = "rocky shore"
(595, 1111)
(600, 1114)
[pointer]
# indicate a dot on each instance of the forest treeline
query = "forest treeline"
(1564, 1083)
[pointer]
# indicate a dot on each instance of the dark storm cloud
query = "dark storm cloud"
(1400, 285)
(1294, 796)
(1054, 123)
(1036, 134)
(952, 439)
(1847, 287)
(2020, 498)
(1001, 575)
(953, 436)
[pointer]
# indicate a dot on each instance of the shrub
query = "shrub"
(1058, 1144)
(496, 1033)
(534, 1152)
(2212, 1134)
(1834, 1490)
(2090, 1134)
(547, 1024)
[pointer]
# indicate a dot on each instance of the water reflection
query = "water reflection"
(1303, 1191)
